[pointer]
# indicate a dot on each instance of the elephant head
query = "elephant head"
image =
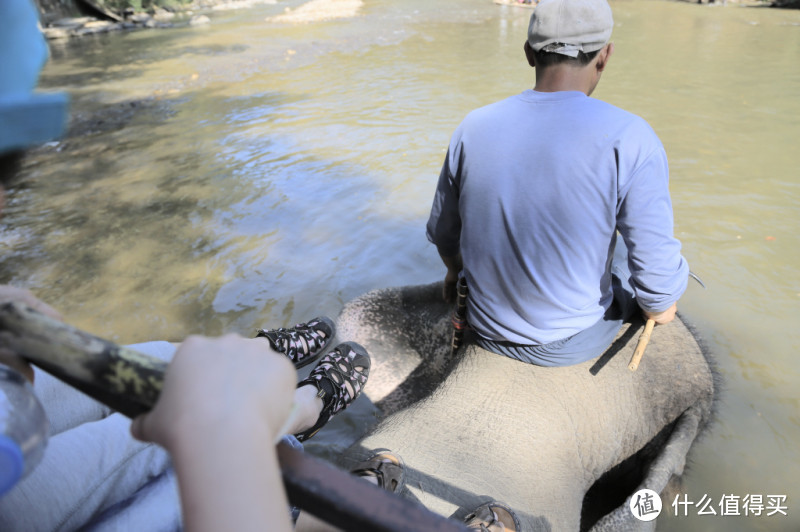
(565, 447)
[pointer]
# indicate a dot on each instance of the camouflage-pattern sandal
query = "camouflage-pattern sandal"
(493, 517)
(340, 376)
(302, 343)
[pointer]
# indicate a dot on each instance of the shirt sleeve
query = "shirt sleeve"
(444, 224)
(659, 273)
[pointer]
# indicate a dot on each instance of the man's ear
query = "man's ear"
(529, 54)
(604, 56)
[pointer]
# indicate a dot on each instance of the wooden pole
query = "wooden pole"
(125, 380)
(640, 347)
(130, 383)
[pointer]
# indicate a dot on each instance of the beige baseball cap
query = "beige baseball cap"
(570, 26)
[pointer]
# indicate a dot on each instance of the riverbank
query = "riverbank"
(192, 14)
(104, 21)
(531, 4)
(317, 10)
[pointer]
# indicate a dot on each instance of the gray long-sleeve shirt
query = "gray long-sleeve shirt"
(532, 192)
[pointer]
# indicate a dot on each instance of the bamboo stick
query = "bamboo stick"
(638, 353)
(123, 379)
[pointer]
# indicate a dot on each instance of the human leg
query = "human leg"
(301, 344)
(90, 463)
(95, 465)
(84, 470)
(333, 385)
(385, 469)
(341, 374)
(66, 407)
(155, 507)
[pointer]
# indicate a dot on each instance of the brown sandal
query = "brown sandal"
(386, 467)
(493, 517)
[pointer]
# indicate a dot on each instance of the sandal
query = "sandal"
(303, 342)
(340, 376)
(493, 517)
(384, 466)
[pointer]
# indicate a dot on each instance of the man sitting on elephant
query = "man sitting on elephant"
(531, 196)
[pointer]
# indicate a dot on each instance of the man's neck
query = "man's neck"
(558, 78)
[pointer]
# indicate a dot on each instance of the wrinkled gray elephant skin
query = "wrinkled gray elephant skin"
(565, 447)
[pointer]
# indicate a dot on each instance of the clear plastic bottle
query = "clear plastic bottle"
(23, 428)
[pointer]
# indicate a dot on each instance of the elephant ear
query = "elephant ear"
(407, 332)
(660, 464)
(663, 473)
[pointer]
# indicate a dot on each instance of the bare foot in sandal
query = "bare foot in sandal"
(334, 384)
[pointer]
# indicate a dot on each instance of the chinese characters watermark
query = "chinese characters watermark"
(730, 504)
(645, 505)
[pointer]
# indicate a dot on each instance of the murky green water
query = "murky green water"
(269, 173)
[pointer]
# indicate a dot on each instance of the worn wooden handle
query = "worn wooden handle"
(123, 379)
(640, 347)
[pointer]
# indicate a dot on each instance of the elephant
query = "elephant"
(565, 447)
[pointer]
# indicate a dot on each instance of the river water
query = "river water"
(254, 173)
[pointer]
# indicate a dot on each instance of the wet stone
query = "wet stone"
(76, 22)
(199, 20)
(139, 18)
(56, 33)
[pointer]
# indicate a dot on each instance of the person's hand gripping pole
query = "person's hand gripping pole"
(653, 318)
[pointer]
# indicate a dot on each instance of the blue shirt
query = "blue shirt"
(532, 193)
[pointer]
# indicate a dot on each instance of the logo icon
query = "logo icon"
(645, 505)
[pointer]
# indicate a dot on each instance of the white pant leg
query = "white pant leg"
(84, 471)
(91, 462)
(66, 407)
(154, 508)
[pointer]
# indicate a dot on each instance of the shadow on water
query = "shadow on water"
(222, 228)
